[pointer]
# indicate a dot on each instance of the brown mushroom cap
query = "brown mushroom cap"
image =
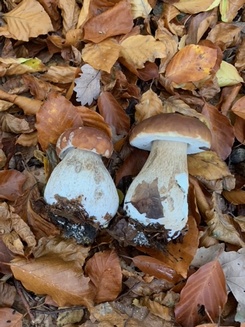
(84, 138)
(171, 127)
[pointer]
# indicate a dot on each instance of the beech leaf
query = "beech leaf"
(105, 273)
(205, 291)
(11, 184)
(140, 8)
(228, 75)
(87, 85)
(28, 19)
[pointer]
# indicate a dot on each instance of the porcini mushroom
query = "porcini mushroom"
(158, 195)
(82, 175)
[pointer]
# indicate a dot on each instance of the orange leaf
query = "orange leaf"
(11, 183)
(10, 317)
(239, 107)
(55, 116)
(155, 267)
(191, 64)
(113, 113)
(105, 273)
(103, 26)
(205, 291)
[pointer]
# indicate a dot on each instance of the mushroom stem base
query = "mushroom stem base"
(158, 195)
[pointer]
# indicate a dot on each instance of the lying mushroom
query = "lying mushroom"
(158, 195)
(82, 175)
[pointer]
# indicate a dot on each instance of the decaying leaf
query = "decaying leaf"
(28, 19)
(140, 8)
(149, 105)
(105, 273)
(87, 86)
(18, 66)
(204, 292)
(11, 184)
(195, 6)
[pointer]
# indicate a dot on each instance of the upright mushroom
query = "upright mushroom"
(82, 176)
(158, 195)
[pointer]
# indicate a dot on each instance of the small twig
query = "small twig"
(19, 289)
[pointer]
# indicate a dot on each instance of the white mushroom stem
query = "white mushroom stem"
(82, 175)
(158, 195)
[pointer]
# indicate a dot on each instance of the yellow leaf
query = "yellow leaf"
(101, 56)
(140, 8)
(196, 6)
(138, 49)
(149, 105)
(228, 75)
(17, 66)
(28, 19)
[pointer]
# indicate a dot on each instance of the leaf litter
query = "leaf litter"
(109, 66)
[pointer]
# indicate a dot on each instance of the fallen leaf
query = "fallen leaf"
(8, 294)
(239, 107)
(60, 74)
(55, 116)
(49, 274)
(138, 49)
(149, 105)
(10, 123)
(205, 291)
(195, 6)
(18, 66)
(70, 13)
(104, 270)
(140, 8)
(102, 26)
(228, 75)
(11, 315)
(235, 197)
(28, 19)
(87, 86)
(11, 184)
(229, 9)
(191, 64)
(156, 308)
(155, 267)
(211, 170)
(113, 114)
(101, 56)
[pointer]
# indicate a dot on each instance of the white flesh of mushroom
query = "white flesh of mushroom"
(82, 175)
(158, 194)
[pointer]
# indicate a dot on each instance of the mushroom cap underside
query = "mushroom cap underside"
(171, 127)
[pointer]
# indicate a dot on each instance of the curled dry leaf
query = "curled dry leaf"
(205, 288)
(10, 123)
(226, 35)
(102, 26)
(105, 273)
(60, 74)
(29, 139)
(155, 267)
(28, 19)
(70, 13)
(18, 66)
(55, 116)
(11, 184)
(140, 8)
(195, 6)
(149, 105)
(211, 170)
(229, 9)
(235, 196)
(156, 308)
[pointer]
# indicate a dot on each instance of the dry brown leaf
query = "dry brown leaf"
(211, 170)
(156, 308)
(29, 139)
(5, 105)
(235, 196)
(11, 184)
(105, 314)
(205, 288)
(225, 35)
(103, 26)
(11, 315)
(85, 13)
(179, 255)
(195, 6)
(140, 8)
(113, 114)
(149, 105)
(28, 19)
(60, 74)
(55, 116)
(229, 9)
(101, 56)
(10, 123)
(239, 107)
(192, 64)
(105, 273)
(138, 49)
(8, 294)
(49, 274)
(239, 129)
(155, 267)
(222, 226)
(169, 14)
(239, 62)
(19, 66)
(70, 13)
